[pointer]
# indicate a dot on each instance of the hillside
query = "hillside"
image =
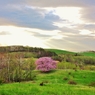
(57, 51)
(88, 53)
(85, 53)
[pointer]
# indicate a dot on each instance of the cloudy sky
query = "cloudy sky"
(59, 24)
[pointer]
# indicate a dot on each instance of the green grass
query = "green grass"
(54, 84)
(90, 54)
(57, 51)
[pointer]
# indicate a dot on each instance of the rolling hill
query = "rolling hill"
(58, 51)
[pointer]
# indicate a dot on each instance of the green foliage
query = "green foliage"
(29, 55)
(16, 68)
(45, 53)
(89, 67)
(73, 57)
(65, 78)
(58, 58)
(66, 65)
(86, 60)
(1, 81)
(69, 58)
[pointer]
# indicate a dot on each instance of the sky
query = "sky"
(57, 24)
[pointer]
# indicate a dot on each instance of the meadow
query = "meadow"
(56, 82)
(74, 74)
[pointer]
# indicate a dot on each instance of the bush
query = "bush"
(92, 84)
(72, 82)
(45, 64)
(15, 68)
(1, 81)
(58, 58)
(28, 55)
(85, 59)
(65, 78)
(65, 65)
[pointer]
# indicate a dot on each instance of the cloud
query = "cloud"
(86, 26)
(4, 33)
(9, 2)
(88, 14)
(69, 30)
(39, 35)
(45, 35)
(74, 43)
(27, 13)
(50, 3)
(5, 21)
(86, 29)
(60, 3)
(73, 40)
(31, 17)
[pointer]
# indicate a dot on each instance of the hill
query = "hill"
(58, 51)
(88, 53)
(85, 53)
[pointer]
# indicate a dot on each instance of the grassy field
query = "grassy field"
(57, 51)
(90, 54)
(58, 82)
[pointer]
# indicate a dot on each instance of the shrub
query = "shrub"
(15, 68)
(65, 78)
(92, 84)
(85, 59)
(58, 58)
(28, 55)
(1, 81)
(65, 65)
(45, 64)
(72, 82)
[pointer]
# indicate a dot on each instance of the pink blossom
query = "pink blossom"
(45, 64)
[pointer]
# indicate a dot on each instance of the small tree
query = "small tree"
(45, 64)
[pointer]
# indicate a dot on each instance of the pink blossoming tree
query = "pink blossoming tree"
(45, 64)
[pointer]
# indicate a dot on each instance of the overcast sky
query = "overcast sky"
(58, 24)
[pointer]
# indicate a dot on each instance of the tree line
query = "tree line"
(38, 52)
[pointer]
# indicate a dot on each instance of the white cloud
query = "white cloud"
(69, 13)
(85, 32)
